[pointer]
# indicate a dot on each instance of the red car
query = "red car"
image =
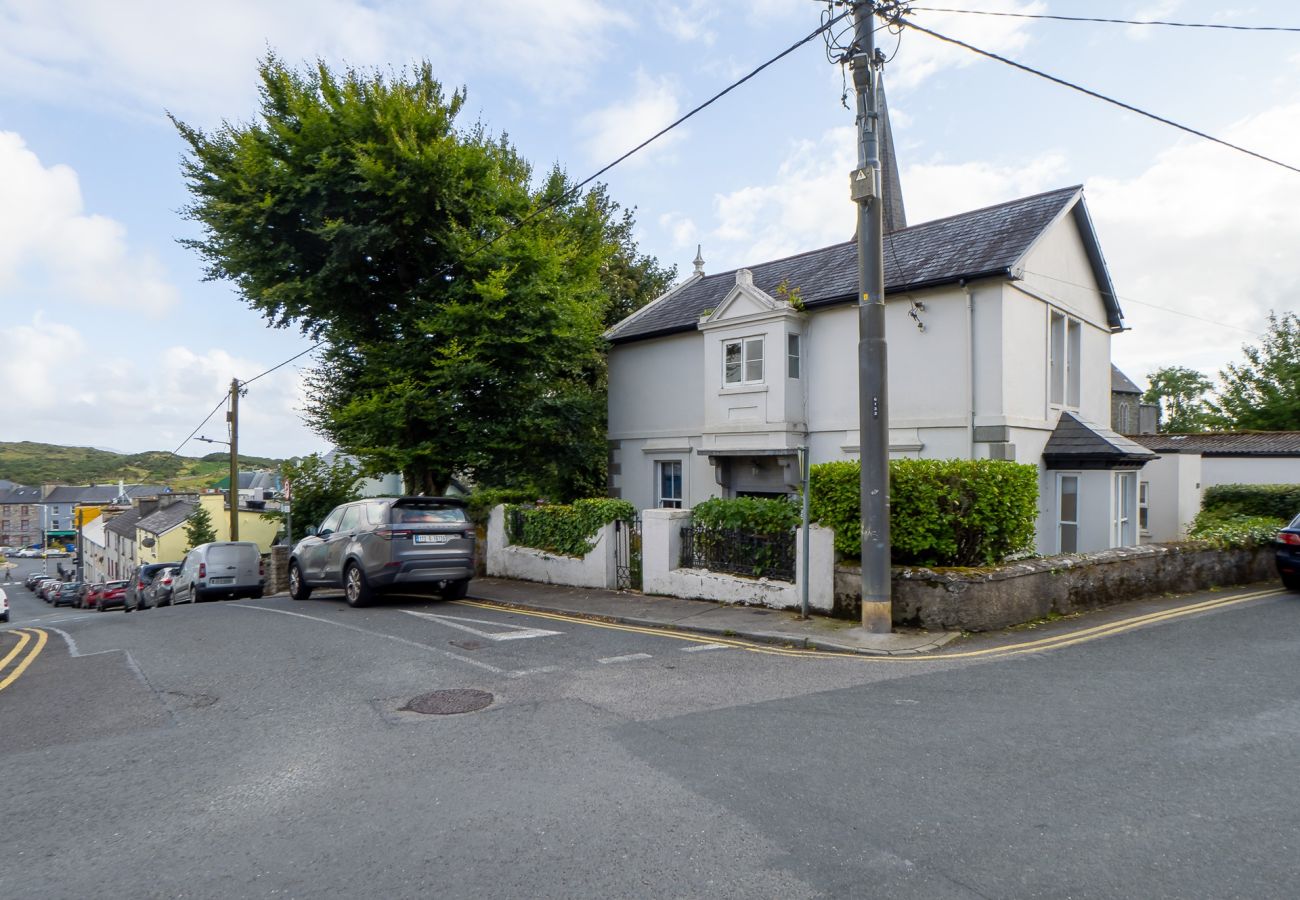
(89, 595)
(113, 593)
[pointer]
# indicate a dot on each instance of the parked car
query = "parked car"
(159, 591)
(89, 594)
(220, 569)
(65, 593)
(112, 595)
(1286, 553)
(33, 579)
(375, 545)
(4, 606)
(139, 582)
(45, 586)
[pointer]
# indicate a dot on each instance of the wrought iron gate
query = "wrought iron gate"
(627, 554)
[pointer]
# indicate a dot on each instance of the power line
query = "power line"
(220, 402)
(573, 191)
(1091, 93)
(281, 364)
(1014, 15)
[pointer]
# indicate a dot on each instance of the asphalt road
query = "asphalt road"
(259, 749)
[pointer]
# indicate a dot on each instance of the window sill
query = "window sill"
(743, 389)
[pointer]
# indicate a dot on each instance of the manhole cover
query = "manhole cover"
(448, 703)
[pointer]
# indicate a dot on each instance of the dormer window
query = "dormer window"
(742, 362)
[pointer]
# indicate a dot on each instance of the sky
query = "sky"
(110, 337)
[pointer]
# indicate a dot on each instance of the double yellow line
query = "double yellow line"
(1055, 642)
(25, 636)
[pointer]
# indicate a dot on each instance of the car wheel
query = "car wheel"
(298, 589)
(355, 586)
(1291, 582)
(456, 590)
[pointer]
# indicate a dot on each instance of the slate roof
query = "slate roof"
(100, 493)
(21, 493)
(1121, 383)
(1076, 443)
(1226, 443)
(164, 520)
(983, 243)
(123, 523)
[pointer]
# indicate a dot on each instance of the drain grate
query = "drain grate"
(448, 703)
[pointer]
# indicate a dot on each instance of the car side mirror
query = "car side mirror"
(311, 531)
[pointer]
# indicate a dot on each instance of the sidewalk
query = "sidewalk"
(705, 617)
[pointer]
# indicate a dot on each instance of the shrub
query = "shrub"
(1278, 501)
(1234, 532)
(567, 530)
(757, 515)
(954, 512)
(484, 500)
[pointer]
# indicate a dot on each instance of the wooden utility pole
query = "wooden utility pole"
(233, 418)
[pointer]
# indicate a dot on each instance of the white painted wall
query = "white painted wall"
(1250, 470)
(595, 570)
(1174, 496)
(661, 551)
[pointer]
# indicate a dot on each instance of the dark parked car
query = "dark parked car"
(159, 591)
(65, 593)
(113, 594)
(1287, 554)
(140, 579)
(391, 543)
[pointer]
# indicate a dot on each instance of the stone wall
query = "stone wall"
(990, 598)
(277, 570)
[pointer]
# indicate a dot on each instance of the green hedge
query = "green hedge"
(1235, 532)
(757, 515)
(567, 530)
(954, 512)
(1275, 501)
(483, 500)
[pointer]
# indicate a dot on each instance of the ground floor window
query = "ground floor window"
(1125, 495)
(1144, 499)
(668, 484)
(1067, 517)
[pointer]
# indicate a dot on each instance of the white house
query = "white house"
(998, 323)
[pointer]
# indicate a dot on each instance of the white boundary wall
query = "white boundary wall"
(504, 560)
(661, 551)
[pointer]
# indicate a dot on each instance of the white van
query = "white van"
(220, 569)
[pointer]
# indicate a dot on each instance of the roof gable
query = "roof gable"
(978, 244)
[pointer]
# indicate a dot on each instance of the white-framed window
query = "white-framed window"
(742, 361)
(1144, 499)
(792, 355)
(1125, 494)
(1064, 360)
(1067, 513)
(668, 484)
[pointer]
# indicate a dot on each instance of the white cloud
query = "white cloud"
(132, 405)
(921, 56)
(681, 229)
(934, 190)
(806, 206)
(688, 22)
(198, 59)
(1161, 9)
(47, 238)
(616, 129)
(1210, 233)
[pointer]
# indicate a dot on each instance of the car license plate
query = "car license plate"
(432, 538)
(223, 580)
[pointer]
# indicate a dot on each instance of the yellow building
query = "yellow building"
(160, 533)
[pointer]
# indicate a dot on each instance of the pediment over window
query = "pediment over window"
(745, 302)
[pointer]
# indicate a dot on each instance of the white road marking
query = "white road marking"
(524, 673)
(618, 659)
(698, 647)
(379, 634)
(516, 633)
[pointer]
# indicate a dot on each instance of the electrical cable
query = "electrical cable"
(573, 191)
(1015, 15)
(278, 365)
(1091, 93)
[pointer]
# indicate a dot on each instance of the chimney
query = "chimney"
(147, 506)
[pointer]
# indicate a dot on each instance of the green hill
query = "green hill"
(27, 462)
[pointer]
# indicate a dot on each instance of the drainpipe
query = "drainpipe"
(970, 358)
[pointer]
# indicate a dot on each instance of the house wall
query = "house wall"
(1174, 495)
(1250, 470)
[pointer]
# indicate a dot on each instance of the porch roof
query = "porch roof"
(1078, 444)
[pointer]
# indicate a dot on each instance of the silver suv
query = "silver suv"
(374, 545)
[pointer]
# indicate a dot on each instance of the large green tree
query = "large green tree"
(1263, 393)
(460, 305)
(1180, 392)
